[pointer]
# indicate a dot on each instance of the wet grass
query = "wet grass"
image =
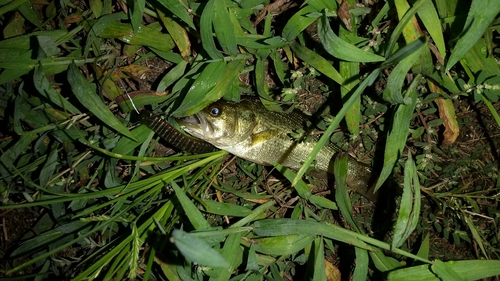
(90, 193)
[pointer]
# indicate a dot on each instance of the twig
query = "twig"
(70, 168)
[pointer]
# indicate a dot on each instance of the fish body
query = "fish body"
(250, 131)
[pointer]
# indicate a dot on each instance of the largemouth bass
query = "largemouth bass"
(250, 131)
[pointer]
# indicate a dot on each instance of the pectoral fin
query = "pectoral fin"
(261, 137)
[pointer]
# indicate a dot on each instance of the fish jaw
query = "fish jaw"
(199, 126)
(195, 125)
(222, 131)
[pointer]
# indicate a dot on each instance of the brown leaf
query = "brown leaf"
(344, 15)
(447, 113)
(332, 272)
(135, 70)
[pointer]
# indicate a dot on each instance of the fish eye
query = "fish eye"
(214, 111)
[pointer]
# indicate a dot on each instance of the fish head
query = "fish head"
(222, 123)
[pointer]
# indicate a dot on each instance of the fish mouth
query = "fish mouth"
(193, 119)
(195, 122)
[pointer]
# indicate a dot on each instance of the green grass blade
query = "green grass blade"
(11, 6)
(475, 234)
(227, 85)
(206, 22)
(339, 48)
(13, 70)
(492, 109)
(260, 41)
(187, 80)
(478, 60)
(431, 21)
(215, 81)
(316, 61)
(112, 251)
(335, 123)
(9, 156)
(50, 236)
(304, 191)
(133, 188)
(169, 269)
(145, 36)
(481, 14)
(97, 28)
(220, 153)
(178, 8)
(49, 167)
(172, 76)
(341, 195)
(319, 5)
(467, 270)
(197, 250)
(260, 82)
(392, 92)
(125, 145)
(319, 260)
(445, 272)
(80, 237)
(382, 262)
(197, 98)
(135, 13)
(423, 251)
(298, 22)
(224, 31)
(23, 43)
(195, 216)
(283, 227)
(87, 96)
(402, 53)
(397, 136)
(258, 213)
(350, 72)
(225, 209)
(301, 187)
(233, 254)
(401, 25)
(282, 245)
(27, 10)
(409, 209)
(279, 66)
(323, 202)
(362, 261)
(245, 4)
(96, 6)
(43, 86)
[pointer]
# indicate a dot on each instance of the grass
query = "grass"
(89, 193)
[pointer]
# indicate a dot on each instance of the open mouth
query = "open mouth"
(195, 121)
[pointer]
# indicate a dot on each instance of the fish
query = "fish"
(171, 135)
(250, 131)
